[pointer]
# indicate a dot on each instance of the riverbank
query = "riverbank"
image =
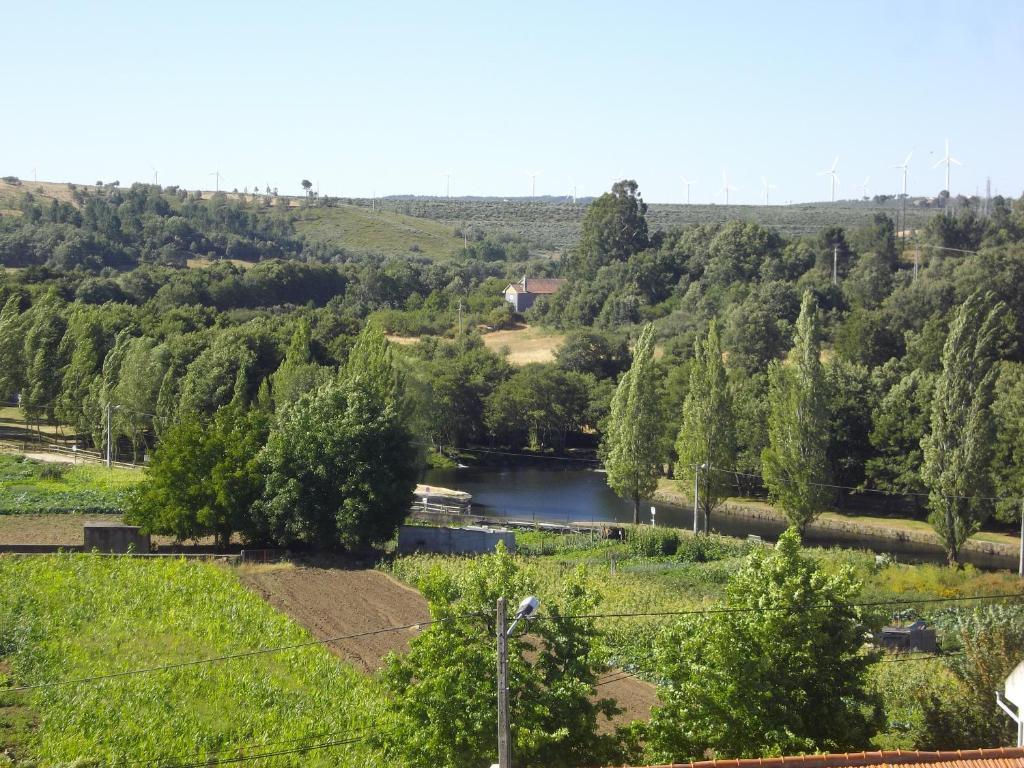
(843, 526)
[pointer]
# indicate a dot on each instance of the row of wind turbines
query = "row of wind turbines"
(832, 173)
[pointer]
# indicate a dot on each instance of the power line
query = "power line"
(163, 762)
(759, 609)
(233, 656)
(260, 756)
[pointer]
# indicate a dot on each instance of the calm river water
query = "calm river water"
(582, 496)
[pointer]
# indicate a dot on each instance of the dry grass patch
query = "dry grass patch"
(525, 344)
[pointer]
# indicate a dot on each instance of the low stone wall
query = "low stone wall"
(471, 540)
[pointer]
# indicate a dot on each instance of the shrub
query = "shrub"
(53, 471)
(706, 549)
(652, 541)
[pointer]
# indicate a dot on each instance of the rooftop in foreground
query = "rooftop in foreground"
(1001, 757)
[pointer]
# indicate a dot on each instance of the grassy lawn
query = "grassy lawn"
(71, 616)
(525, 344)
(34, 487)
(359, 230)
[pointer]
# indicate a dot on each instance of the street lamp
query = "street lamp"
(527, 610)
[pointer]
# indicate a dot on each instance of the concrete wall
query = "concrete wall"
(110, 537)
(470, 540)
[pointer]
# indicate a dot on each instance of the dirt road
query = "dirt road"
(332, 602)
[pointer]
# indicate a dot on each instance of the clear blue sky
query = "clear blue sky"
(385, 97)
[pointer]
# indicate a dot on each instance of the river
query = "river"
(582, 496)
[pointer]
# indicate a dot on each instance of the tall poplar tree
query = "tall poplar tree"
(794, 463)
(958, 451)
(631, 447)
(707, 438)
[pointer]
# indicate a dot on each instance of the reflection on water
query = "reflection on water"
(583, 496)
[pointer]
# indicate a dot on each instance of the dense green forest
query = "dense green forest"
(100, 306)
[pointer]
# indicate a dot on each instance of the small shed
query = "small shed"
(115, 538)
(446, 540)
(917, 637)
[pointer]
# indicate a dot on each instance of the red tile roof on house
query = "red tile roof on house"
(539, 285)
(1002, 757)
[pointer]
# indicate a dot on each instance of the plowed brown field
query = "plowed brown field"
(333, 602)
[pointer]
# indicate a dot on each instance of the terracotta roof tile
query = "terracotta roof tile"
(1001, 757)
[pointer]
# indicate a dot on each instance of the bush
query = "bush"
(706, 549)
(651, 541)
(53, 471)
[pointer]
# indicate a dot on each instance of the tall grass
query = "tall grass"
(72, 616)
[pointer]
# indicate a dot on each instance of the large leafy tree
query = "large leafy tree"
(632, 447)
(1008, 458)
(795, 463)
(614, 228)
(46, 326)
(539, 404)
(958, 450)
(204, 477)
(442, 693)
(779, 671)
(341, 463)
(298, 372)
(706, 445)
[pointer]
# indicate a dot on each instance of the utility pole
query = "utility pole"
(835, 265)
(696, 496)
(504, 726)
(109, 442)
(1020, 568)
(460, 317)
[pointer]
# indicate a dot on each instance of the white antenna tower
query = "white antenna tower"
(687, 182)
(156, 176)
(726, 188)
(831, 172)
(767, 187)
(948, 160)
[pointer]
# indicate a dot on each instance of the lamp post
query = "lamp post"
(527, 610)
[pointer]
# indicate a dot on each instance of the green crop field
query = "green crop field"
(359, 231)
(65, 617)
(34, 487)
(553, 225)
(668, 570)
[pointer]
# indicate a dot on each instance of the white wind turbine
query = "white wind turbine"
(688, 183)
(905, 169)
(447, 183)
(948, 160)
(726, 188)
(831, 172)
(864, 186)
(532, 182)
(767, 187)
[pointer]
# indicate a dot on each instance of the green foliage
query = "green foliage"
(538, 405)
(31, 487)
(72, 616)
(340, 464)
(298, 373)
(706, 444)
(1008, 453)
(652, 541)
(795, 461)
(958, 450)
(204, 477)
(442, 692)
(631, 448)
(614, 228)
(784, 678)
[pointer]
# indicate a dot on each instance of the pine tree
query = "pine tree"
(795, 462)
(707, 438)
(631, 447)
(958, 451)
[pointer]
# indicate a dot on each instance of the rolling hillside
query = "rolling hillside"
(360, 231)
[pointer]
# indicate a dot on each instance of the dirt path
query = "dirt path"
(332, 602)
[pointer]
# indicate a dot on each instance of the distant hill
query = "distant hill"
(360, 230)
(554, 223)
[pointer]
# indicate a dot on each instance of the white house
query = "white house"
(521, 295)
